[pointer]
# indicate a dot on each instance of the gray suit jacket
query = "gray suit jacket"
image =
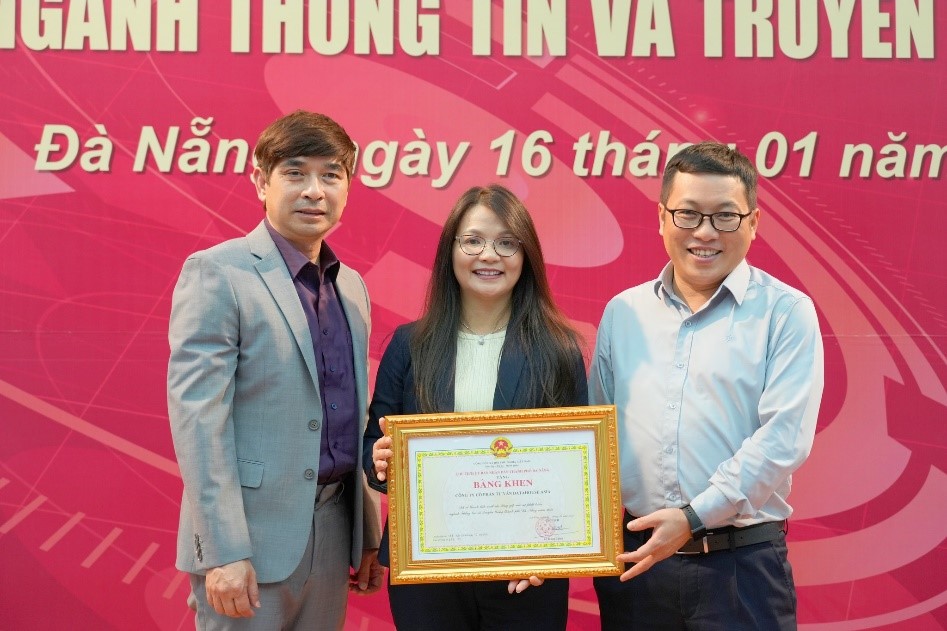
(245, 409)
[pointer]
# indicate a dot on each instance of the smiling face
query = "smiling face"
(304, 198)
(486, 278)
(704, 257)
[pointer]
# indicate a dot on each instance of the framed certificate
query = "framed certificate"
(503, 495)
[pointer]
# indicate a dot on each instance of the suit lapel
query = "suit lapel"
(275, 275)
(512, 363)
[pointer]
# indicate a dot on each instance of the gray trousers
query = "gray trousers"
(315, 595)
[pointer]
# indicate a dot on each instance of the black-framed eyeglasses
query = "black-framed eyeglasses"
(473, 245)
(722, 222)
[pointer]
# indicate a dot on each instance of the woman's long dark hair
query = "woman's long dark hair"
(544, 335)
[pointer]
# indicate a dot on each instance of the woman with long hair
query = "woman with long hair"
(490, 338)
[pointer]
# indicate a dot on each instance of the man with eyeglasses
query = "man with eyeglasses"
(716, 369)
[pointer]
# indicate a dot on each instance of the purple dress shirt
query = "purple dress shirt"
(332, 344)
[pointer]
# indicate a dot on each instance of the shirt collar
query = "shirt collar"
(664, 285)
(736, 282)
(295, 260)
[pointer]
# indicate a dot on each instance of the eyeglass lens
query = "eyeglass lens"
(724, 222)
(474, 245)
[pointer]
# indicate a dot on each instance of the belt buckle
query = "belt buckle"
(704, 545)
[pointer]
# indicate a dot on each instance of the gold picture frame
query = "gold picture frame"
(504, 494)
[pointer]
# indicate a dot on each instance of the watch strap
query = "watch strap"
(698, 530)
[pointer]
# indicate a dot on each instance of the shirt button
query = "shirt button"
(672, 405)
(325, 331)
(314, 425)
(670, 449)
(334, 406)
(309, 474)
(687, 324)
(331, 368)
(680, 364)
(673, 497)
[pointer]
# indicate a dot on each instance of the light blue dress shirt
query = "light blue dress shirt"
(715, 408)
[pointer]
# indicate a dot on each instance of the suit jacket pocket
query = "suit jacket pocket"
(250, 472)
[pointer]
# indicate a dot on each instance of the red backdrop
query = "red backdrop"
(95, 223)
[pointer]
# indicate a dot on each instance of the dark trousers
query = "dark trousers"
(479, 606)
(729, 590)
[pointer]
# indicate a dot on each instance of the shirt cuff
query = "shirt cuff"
(375, 483)
(712, 507)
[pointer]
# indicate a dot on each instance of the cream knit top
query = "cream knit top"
(475, 375)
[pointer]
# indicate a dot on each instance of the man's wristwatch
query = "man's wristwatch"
(698, 530)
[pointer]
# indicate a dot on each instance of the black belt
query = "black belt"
(730, 537)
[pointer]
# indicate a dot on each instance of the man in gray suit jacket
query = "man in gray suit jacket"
(267, 397)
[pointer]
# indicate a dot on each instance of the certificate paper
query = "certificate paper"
(538, 496)
(480, 495)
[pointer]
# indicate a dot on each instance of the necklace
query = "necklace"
(481, 339)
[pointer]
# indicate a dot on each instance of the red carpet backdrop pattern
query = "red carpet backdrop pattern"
(125, 134)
